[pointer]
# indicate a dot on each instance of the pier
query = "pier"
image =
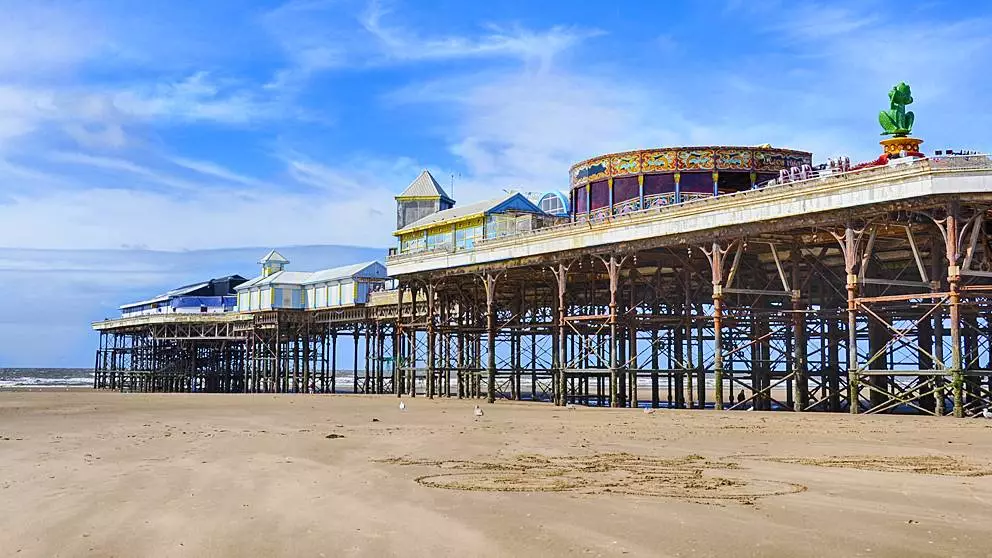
(864, 291)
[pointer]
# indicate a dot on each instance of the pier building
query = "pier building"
(214, 295)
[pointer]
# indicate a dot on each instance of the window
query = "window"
(599, 194)
(465, 238)
(413, 243)
(552, 203)
(438, 239)
(581, 205)
(625, 188)
(500, 225)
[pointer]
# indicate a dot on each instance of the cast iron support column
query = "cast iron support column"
(715, 256)
(800, 398)
(431, 341)
(613, 269)
(354, 364)
(490, 284)
(561, 276)
(953, 301)
(852, 319)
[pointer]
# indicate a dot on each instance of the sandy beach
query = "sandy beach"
(109, 474)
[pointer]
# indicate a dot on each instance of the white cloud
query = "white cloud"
(99, 202)
(196, 98)
(103, 218)
(398, 43)
(116, 165)
(213, 170)
(319, 36)
(523, 128)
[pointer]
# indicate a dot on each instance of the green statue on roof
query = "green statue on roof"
(896, 121)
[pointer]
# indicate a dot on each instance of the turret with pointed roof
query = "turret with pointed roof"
(272, 262)
(423, 197)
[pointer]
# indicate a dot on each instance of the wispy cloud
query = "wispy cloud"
(197, 98)
(398, 43)
(213, 170)
(522, 128)
(126, 167)
(353, 36)
(104, 218)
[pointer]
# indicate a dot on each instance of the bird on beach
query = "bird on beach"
(402, 406)
(570, 406)
(648, 411)
(478, 411)
(987, 413)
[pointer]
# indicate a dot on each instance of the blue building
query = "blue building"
(215, 295)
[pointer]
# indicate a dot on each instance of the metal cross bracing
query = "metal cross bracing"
(271, 352)
(464, 344)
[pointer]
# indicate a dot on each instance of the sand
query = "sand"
(109, 474)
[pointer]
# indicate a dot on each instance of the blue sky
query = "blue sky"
(135, 131)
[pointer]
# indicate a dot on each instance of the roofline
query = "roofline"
(364, 265)
(402, 197)
(452, 221)
(277, 283)
(144, 302)
(686, 148)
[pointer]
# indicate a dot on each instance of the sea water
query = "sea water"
(23, 378)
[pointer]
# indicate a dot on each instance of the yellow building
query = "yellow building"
(461, 228)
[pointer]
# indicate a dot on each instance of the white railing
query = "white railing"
(896, 166)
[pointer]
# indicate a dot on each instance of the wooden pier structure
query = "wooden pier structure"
(861, 292)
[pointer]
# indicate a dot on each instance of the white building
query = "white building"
(277, 288)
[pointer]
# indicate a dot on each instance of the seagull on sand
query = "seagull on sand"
(478, 411)
(402, 406)
(987, 413)
(648, 411)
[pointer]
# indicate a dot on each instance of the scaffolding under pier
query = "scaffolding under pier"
(273, 351)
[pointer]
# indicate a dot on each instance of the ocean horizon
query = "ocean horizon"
(55, 378)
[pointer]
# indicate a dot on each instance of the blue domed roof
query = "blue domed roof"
(554, 203)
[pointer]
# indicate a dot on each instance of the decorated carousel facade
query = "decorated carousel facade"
(620, 183)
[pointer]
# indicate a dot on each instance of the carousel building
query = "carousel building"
(620, 183)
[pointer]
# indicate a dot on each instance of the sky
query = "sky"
(147, 144)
